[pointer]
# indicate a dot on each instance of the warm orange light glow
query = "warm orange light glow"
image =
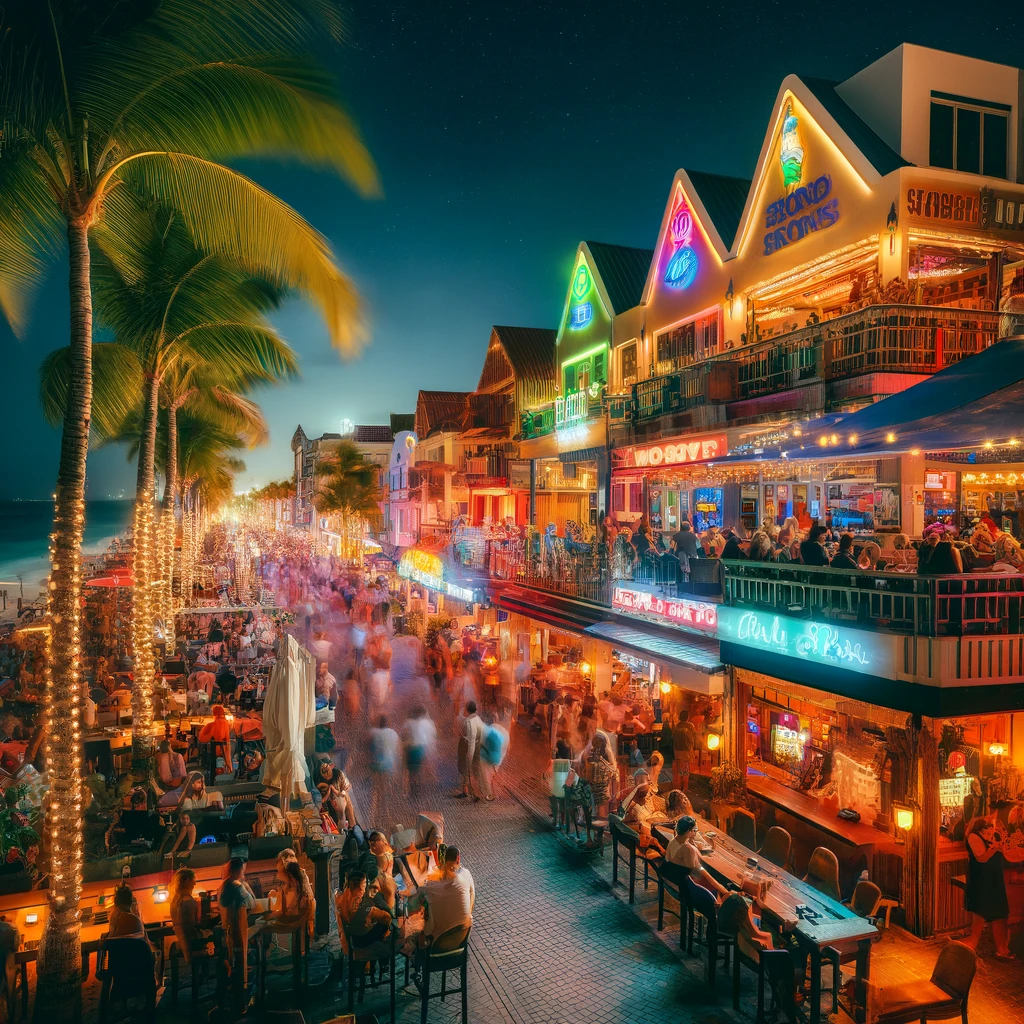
(997, 749)
(714, 741)
(904, 818)
(666, 687)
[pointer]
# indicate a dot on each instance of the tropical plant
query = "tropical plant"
(99, 100)
(194, 321)
(348, 486)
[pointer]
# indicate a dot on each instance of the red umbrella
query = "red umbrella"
(110, 581)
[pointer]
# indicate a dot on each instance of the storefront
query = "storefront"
(429, 581)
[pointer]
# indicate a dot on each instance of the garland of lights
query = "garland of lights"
(62, 828)
(142, 637)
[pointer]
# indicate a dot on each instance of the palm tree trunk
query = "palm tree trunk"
(168, 527)
(143, 565)
(59, 968)
(171, 481)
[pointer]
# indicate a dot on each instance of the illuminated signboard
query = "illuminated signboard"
(674, 452)
(822, 643)
(804, 210)
(422, 567)
(1002, 211)
(462, 593)
(582, 312)
(683, 264)
(698, 615)
(580, 316)
(941, 205)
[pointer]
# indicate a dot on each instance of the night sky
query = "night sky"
(505, 133)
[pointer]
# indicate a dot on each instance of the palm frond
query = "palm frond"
(253, 351)
(231, 412)
(225, 212)
(117, 387)
(30, 236)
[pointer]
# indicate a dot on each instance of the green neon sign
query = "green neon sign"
(581, 282)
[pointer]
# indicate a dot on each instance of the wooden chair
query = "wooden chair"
(777, 846)
(744, 828)
(671, 879)
(702, 908)
(864, 903)
(941, 997)
(823, 873)
(448, 952)
(629, 840)
(126, 969)
(361, 959)
(197, 963)
(730, 919)
(299, 932)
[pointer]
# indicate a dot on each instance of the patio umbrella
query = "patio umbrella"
(288, 710)
(110, 581)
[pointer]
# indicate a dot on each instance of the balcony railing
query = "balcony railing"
(971, 604)
(539, 423)
(876, 339)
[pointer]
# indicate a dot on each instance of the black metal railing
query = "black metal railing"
(969, 604)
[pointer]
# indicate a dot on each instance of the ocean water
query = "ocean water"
(25, 538)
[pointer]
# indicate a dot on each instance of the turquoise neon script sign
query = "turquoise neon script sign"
(820, 642)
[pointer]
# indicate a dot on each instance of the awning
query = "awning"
(976, 401)
(698, 657)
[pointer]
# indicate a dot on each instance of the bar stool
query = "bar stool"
(823, 873)
(777, 845)
(448, 952)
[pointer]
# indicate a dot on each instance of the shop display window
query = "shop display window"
(707, 508)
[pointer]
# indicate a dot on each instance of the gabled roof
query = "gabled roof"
(441, 410)
(402, 421)
(881, 156)
(723, 199)
(623, 271)
(530, 350)
(373, 434)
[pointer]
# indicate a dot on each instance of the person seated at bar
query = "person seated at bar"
(642, 805)
(336, 794)
(682, 850)
(185, 915)
(812, 550)
(451, 898)
(218, 732)
(125, 918)
(843, 558)
(198, 797)
(385, 857)
(293, 904)
(186, 837)
(364, 922)
(170, 767)
(677, 803)
(733, 549)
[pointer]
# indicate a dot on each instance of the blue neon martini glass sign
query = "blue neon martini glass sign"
(683, 264)
(583, 312)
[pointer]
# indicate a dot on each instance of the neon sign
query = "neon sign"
(672, 453)
(581, 315)
(422, 567)
(683, 265)
(461, 593)
(698, 615)
(818, 642)
(791, 153)
(581, 282)
(804, 210)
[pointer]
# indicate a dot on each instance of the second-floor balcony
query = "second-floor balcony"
(891, 339)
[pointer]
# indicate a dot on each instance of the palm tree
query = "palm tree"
(348, 486)
(195, 323)
(97, 100)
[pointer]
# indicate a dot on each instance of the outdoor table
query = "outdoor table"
(834, 924)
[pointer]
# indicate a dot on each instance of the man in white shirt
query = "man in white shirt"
(682, 850)
(471, 733)
(450, 899)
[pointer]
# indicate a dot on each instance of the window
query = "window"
(591, 370)
(969, 135)
(627, 363)
(688, 343)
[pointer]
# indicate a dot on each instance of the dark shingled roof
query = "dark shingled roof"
(881, 157)
(373, 435)
(437, 410)
(402, 421)
(724, 198)
(530, 350)
(623, 271)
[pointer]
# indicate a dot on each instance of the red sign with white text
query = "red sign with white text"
(674, 452)
(678, 611)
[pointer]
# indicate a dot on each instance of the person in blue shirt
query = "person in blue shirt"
(493, 747)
